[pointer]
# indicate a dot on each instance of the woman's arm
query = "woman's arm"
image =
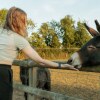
(31, 53)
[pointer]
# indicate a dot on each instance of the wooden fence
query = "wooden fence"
(32, 91)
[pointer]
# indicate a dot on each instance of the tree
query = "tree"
(37, 41)
(56, 26)
(30, 26)
(81, 35)
(49, 35)
(3, 13)
(67, 24)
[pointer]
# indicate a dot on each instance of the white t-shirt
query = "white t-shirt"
(10, 42)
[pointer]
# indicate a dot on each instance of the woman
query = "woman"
(12, 38)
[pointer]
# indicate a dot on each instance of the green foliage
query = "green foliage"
(3, 13)
(73, 36)
(81, 35)
(36, 41)
(49, 35)
(67, 24)
(30, 24)
(57, 28)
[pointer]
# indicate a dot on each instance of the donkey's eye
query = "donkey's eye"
(69, 61)
(91, 47)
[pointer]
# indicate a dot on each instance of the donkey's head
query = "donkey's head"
(89, 54)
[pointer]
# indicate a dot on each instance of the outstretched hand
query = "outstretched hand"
(69, 67)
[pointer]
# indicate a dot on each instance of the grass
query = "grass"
(84, 85)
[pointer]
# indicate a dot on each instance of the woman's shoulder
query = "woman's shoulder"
(1, 27)
(17, 36)
(6, 31)
(3, 31)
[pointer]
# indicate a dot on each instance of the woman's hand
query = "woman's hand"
(67, 66)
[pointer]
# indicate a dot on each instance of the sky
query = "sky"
(41, 11)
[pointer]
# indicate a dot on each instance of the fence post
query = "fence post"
(32, 81)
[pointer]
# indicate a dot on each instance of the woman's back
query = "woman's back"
(10, 42)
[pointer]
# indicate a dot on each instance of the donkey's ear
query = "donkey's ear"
(97, 25)
(92, 31)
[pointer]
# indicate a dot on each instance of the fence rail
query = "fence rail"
(43, 93)
(30, 63)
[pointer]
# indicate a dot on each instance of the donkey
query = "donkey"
(43, 76)
(89, 54)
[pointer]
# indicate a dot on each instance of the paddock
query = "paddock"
(75, 84)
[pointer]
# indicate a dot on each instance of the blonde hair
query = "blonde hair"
(16, 21)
